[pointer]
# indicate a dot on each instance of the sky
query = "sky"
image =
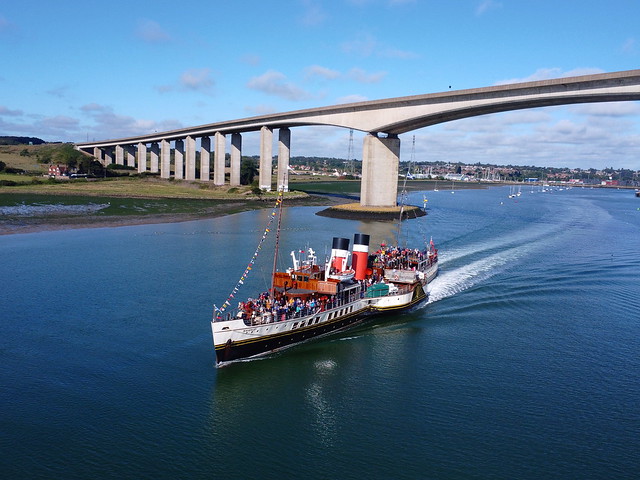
(96, 70)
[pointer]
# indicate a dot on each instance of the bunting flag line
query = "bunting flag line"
(240, 282)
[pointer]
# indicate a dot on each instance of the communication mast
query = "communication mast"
(350, 153)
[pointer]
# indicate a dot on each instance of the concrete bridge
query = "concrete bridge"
(383, 120)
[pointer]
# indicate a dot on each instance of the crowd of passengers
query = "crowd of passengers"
(266, 309)
(399, 258)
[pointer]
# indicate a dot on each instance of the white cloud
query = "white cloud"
(260, 109)
(251, 59)
(59, 92)
(485, 5)
(59, 123)
(397, 53)
(352, 99)
(317, 71)
(550, 73)
(313, 13)
(150, 31)
(276, 84)
(105, 123)
(197, 79)
(607, 109)
(630, 46)
(8, 112)
(360, 76)
(192, 80)
(165, 88)
(565, 136)
(365, 45)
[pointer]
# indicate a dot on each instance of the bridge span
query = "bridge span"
(382, 120)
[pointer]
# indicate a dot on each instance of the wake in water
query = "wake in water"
(450, 282)
(461, 269)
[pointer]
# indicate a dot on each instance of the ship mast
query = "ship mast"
(403, 193)
(275, 253)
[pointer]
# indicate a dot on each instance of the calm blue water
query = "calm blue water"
(524, 364)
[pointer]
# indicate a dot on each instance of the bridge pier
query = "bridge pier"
(190, 158)
(178, 161)
(205, 158)
(284, 153)
(154, 153)
(380, 159)
(141, 154)
(394, 116)
(97, 153)
(218, 159)
(119, 155)
(266, 157)
(236, 156)
(165, 159)
(108, 157)
(130, 154)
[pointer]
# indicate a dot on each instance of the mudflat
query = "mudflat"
(19, 219)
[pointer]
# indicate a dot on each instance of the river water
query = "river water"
(523, 364)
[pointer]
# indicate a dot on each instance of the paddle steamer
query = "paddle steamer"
(312, 300)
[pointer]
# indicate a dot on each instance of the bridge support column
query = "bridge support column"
(130, 153)
(108, 156)
(190, 158)
(205, 159)
(97, 153)
(119, 155)
(165, 159)
(179, 159)
(284, 153)
(236, 156)
(380, 158)
(154, 153)
(141, 153)
(266, 158)
(218, 159)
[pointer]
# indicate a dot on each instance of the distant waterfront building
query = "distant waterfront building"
(457, 176)
(58, 170)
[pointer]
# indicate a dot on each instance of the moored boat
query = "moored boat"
(311, 299)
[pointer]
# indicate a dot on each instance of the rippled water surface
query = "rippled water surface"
(523, 364)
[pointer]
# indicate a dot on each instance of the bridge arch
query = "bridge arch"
(383, 120)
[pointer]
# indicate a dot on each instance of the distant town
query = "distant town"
(472, 172)
(31, 155)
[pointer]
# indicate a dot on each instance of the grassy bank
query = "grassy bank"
(124, 187)
(128, 201)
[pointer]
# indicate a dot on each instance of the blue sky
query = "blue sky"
(92, 70)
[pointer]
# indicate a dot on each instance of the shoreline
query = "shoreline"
(22, 225)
